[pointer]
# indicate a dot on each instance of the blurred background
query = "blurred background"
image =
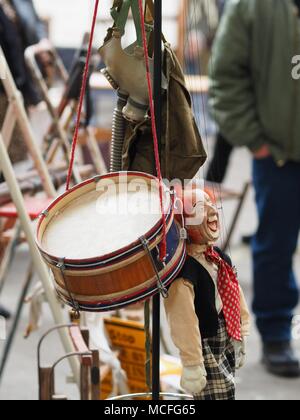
(190, 27)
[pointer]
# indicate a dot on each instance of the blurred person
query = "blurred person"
(256, 103)
(20, 27)
(33, 29)
(202, 22)
(223, 149)
(218, 166)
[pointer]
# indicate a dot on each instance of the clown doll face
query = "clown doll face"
(202, 218)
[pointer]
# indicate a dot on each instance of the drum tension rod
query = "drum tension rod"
(75, 305)
(162, 289)
(183, 232)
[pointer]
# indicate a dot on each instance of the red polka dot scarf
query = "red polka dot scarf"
(229, 291)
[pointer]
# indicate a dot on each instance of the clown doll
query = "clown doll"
(206, 308)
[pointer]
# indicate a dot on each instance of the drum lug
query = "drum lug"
(183, 234)
(164, 293)
(97, 178)
(61, 265)
(45, 213)
(145, 243)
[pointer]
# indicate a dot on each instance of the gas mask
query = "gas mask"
(126, 72)
(126, 68)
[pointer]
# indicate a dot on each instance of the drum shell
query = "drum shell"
(130, 282)
(111, 283)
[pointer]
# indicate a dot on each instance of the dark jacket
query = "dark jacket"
(254, 97)
(33, 28)
(14, 38)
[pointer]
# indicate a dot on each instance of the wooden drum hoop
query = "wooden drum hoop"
(124, 276)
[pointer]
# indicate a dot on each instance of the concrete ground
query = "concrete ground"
(20, 376)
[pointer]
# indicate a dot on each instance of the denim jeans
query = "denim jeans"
(276, 292)
(32, 27)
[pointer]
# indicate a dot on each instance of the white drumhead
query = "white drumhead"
(101, 222)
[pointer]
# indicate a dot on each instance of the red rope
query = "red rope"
(82, 94)
(163, 249)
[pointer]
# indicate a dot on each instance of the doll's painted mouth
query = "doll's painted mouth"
(213, 224)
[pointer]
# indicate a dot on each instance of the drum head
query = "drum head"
(100, 218)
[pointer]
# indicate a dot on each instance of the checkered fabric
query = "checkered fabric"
(219, 360)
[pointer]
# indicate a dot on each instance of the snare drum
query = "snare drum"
(101, 240)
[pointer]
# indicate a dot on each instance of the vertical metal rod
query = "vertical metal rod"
(15, 98)
(12, 334)
(40, 266)
(158, 115)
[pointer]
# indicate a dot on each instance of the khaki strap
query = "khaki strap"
(149, 12)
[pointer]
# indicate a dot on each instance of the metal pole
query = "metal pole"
(11, 337)
(158, 116)
(40, 266)
(15, 99)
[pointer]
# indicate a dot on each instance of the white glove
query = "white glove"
(240, 353)
(193, 379)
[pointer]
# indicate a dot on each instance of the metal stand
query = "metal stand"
(16, 113)
(158, 115)
(241, 201)
(62, 117)
(89, 366)
(12, 334)
(174, 396)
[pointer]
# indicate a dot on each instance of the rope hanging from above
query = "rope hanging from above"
(82, 95)
(163, 248)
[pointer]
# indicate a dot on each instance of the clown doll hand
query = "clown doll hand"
(185, 332)
(240, 353)
(194, 379)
